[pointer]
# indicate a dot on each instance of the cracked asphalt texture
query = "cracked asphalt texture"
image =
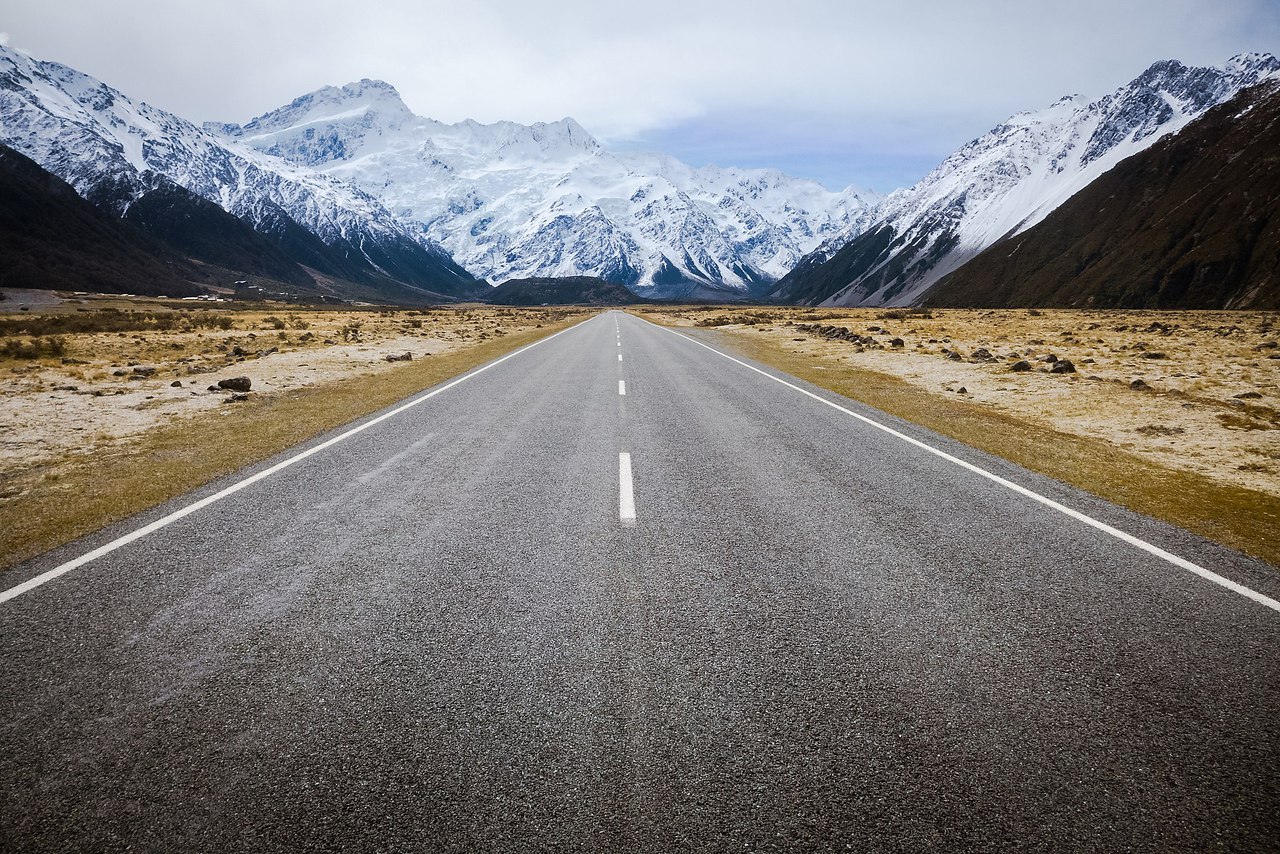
(437, 636)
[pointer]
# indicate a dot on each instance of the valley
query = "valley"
(844, 437)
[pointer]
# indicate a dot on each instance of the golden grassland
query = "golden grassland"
(108, 408)
(1169, 413)
(85, 440)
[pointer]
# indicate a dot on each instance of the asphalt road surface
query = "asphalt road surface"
(475, 625)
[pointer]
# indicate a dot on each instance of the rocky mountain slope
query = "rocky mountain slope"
(1007, 181)
(1192, 222)
(517, 201)
(115, 151)
(52, 238)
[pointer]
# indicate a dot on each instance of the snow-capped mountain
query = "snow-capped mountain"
(114, 150)
(520, 201)
(1007, 181)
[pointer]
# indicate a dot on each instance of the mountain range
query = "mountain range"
(346, 193)
(1007, 181)
(520, 201)
(117, 152)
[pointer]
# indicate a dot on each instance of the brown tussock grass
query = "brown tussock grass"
(79, 493)
(1245, 519)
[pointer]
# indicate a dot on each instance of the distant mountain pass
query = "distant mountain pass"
(570, 290)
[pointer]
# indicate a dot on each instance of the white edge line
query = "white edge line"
(1183, 563)
(626, 494)
(100, 551)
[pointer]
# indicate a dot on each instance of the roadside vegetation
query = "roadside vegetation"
(118, 408)
(1173, 414)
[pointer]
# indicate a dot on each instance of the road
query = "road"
(457, 630)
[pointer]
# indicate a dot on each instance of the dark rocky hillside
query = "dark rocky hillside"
(200, 229)
(1193, 222)
(570, 290)
(50, 238)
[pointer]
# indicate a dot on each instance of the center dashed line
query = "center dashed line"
(622, 387)
(626, 492)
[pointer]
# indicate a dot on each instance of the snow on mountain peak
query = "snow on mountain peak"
(509, 200)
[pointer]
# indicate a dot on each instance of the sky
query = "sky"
(872, 94)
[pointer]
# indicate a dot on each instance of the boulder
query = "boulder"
(1020, 366)
(236, 384)
(1062, 366)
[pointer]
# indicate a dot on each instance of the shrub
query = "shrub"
(34, 349)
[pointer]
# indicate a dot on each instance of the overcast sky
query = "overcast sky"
(845, 91)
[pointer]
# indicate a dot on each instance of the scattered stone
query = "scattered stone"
(214, 388)
(69, 361)
(236, 398)
(962, 390)
(1139, 385)
(119, 373)
(1050, 358)
(1020, 366)
(145, 372)
(238, 351)
(403, 357)
(1155, 354)
(1160, 430)
(66, 388)
(1248, 395)
(1062, 366)
(236, 384)
(954, 356)
(176, 384)
(982, 354)
(897, 342)
(262, 353)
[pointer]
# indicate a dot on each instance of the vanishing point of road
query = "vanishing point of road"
(621, 592)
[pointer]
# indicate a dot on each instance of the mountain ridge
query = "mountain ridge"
(1006, 181)
(1191, 222)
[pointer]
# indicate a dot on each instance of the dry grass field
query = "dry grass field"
(1172, 413)
(112, 404)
